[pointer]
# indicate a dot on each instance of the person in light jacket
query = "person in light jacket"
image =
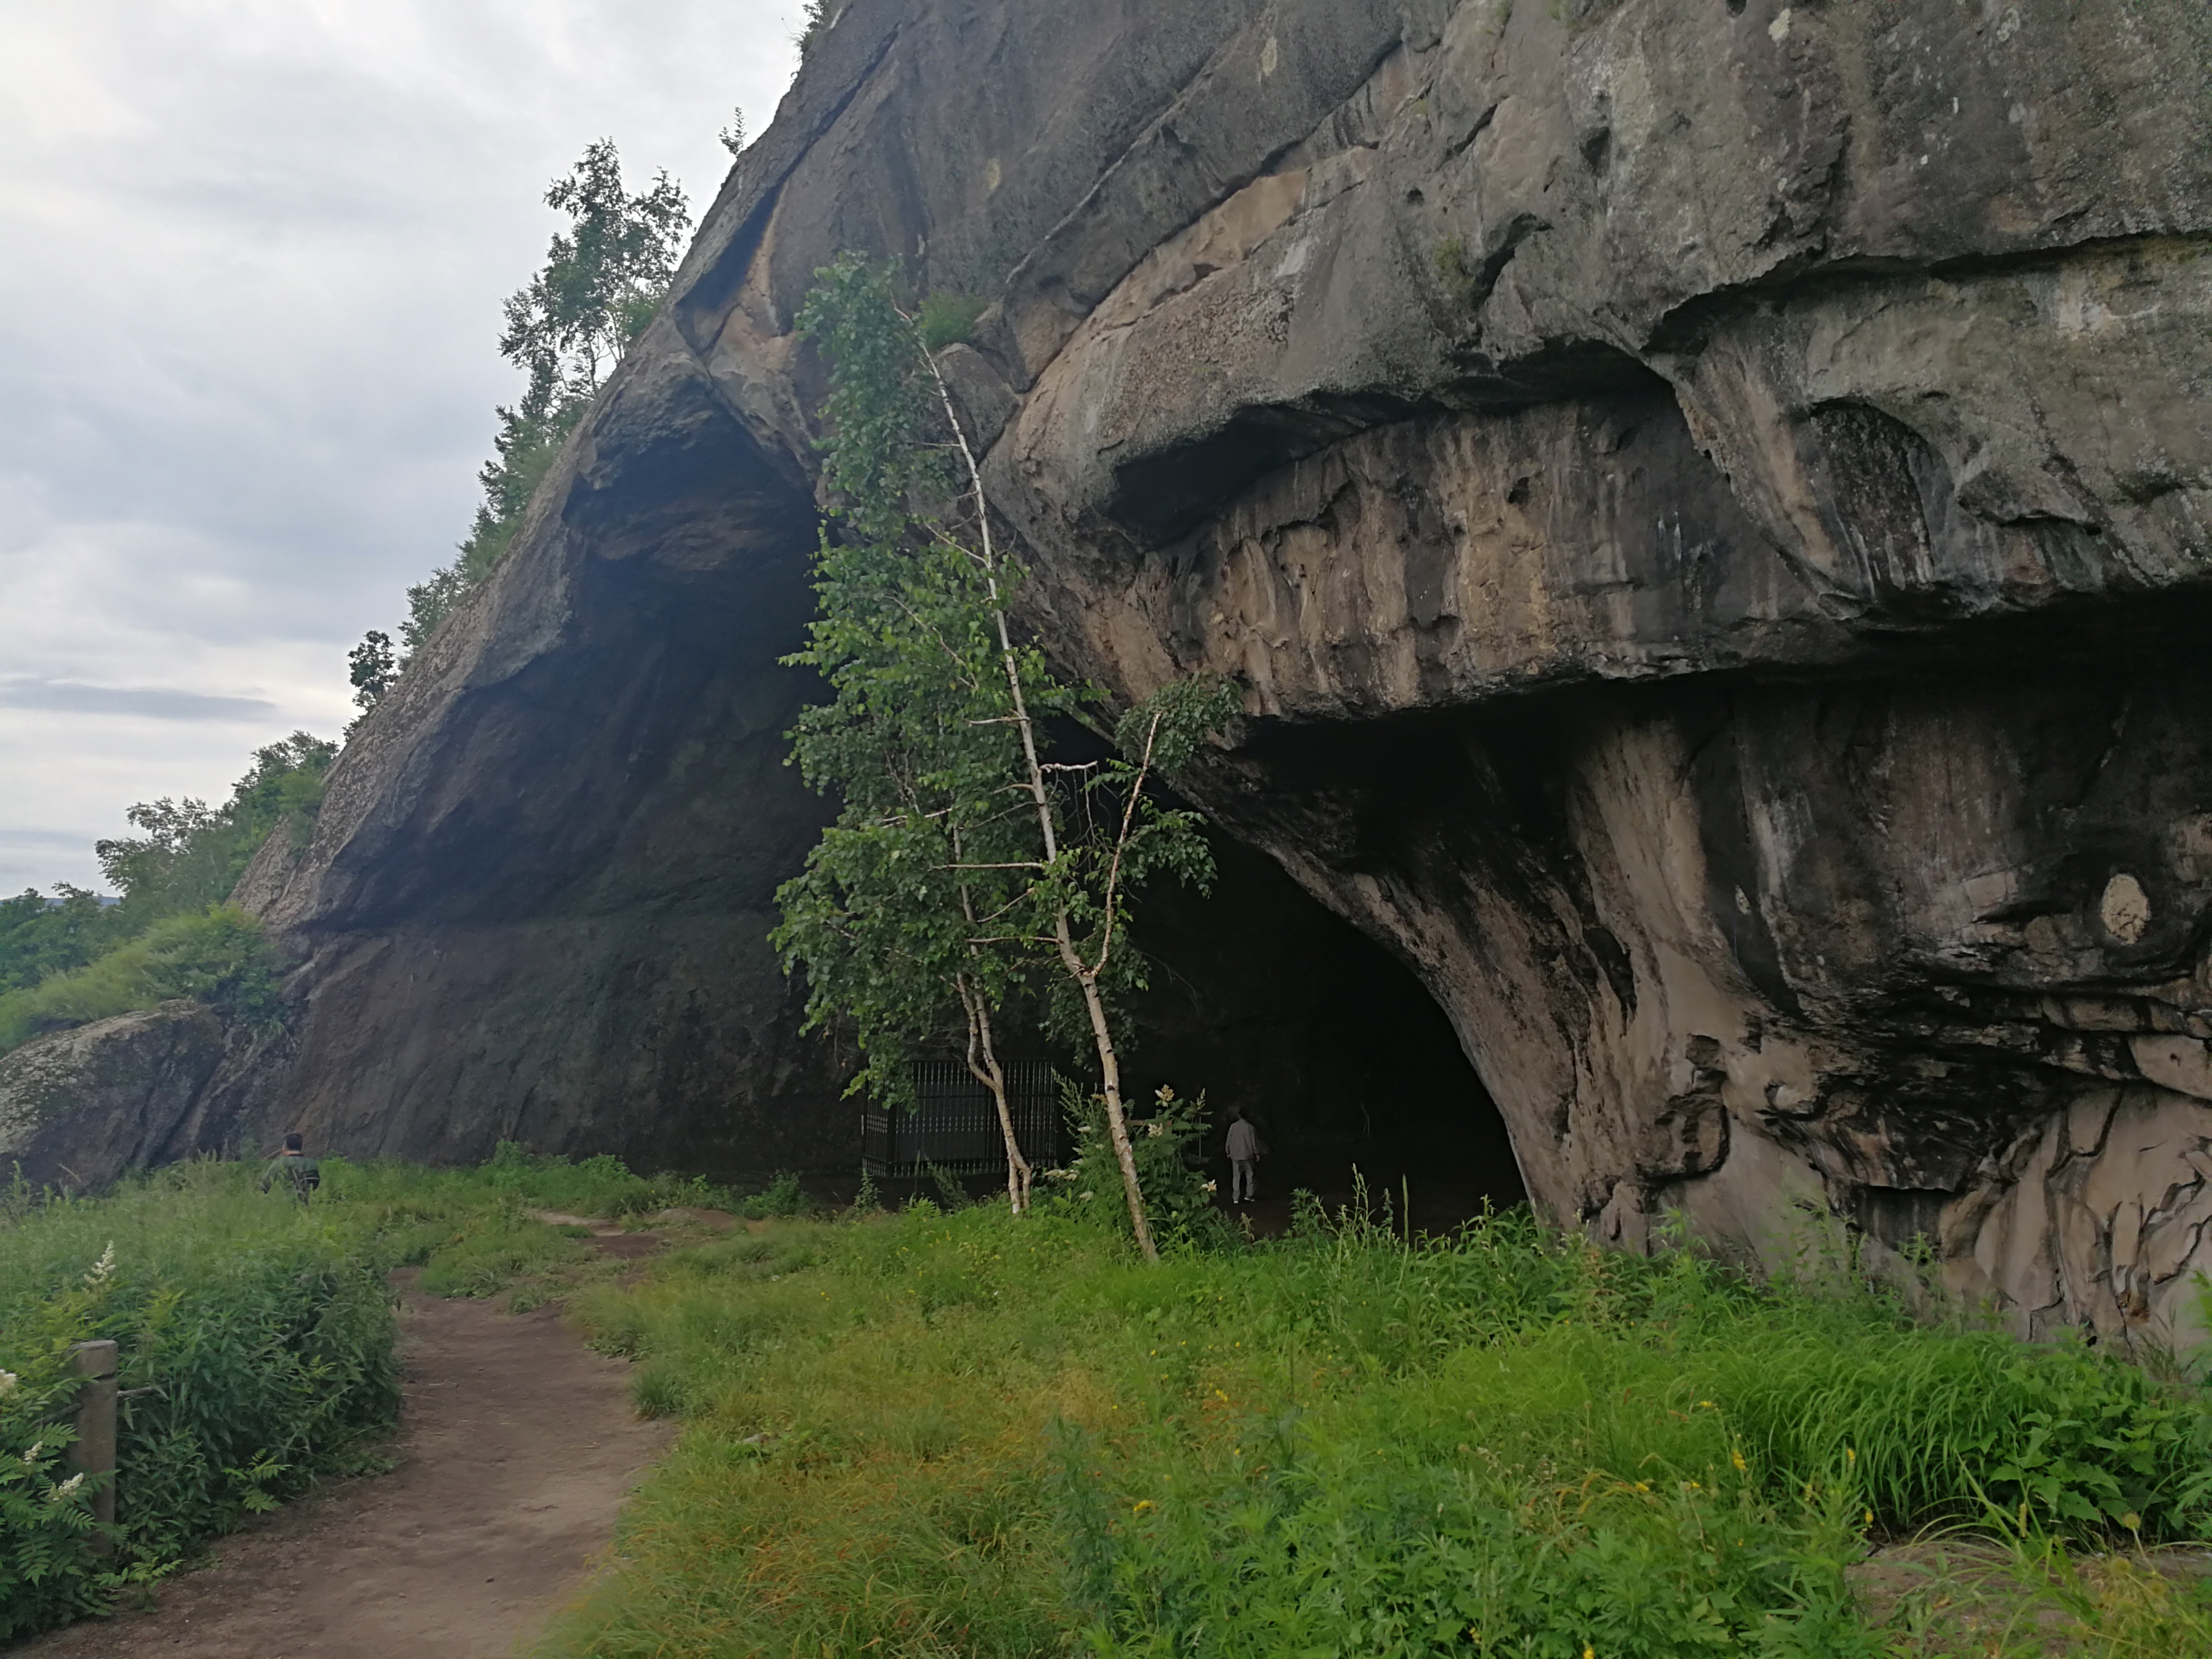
(1244, 1159)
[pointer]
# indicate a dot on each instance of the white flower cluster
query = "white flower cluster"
(8, 1382)
(101, 1269)
(63, 1493)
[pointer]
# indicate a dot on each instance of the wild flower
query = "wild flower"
(66, 1489)
(8, 1382)
(31, 1458)
(100, 1270)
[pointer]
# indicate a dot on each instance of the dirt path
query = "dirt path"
(517, 1446)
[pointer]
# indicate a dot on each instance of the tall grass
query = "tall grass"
(262, 1331)
(945, 1433)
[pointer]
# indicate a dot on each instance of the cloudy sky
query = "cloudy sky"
(251, 257)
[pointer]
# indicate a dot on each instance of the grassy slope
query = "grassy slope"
(956, 1434)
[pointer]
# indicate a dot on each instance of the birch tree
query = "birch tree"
(966, 865)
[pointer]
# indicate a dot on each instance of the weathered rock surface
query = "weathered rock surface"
(1711, 503)
(78, 1108)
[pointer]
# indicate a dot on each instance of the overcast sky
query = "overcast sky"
(251, 257)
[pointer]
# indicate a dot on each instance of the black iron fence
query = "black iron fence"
(953, 1123)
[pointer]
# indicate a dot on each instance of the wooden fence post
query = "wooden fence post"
(93, 1453)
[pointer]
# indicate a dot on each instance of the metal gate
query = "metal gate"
(953, 1123)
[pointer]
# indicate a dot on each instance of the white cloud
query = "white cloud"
(255, 252)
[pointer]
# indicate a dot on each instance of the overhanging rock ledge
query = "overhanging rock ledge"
(1709, 502)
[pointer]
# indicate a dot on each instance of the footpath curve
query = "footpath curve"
(516, 1448)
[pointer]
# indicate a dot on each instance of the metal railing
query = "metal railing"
(952, 1123)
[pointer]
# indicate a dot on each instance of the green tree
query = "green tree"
(566, 330)
(964, 866)
(372, 666)
(914, 742)
(41, 935)
(192, 854)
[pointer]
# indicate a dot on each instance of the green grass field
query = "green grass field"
(949, 1431)
(957, 1433)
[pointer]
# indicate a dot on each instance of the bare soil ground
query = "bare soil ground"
(517, 1446)
(1974, 1592)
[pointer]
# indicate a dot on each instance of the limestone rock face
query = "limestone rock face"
(78, 1108)
(1710, 504)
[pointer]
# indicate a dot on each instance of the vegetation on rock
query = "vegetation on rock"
(565, 329)
(216, 956)
(816, 19)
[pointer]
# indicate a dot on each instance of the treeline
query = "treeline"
(75, 956)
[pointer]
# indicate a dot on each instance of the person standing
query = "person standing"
(1243, 1149)
(293, 1165)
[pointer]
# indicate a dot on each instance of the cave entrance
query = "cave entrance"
(1263, 999)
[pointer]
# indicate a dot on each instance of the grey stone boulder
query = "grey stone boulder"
(79, 1107)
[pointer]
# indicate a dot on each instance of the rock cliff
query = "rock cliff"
(1708, 500)
(80, 1107)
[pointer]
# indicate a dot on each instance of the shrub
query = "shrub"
(1178, 1196)
(948, 319)
(781, 1200)
(263, 1331)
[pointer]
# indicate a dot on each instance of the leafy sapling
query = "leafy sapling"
(965, 866)
(890, 917)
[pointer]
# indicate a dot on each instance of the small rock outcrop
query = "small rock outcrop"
(79, 1107)
(1711, 501)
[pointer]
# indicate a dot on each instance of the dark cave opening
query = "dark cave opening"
(1261, 997)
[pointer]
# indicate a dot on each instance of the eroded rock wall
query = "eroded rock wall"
(1707, 498)
(536, 902)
